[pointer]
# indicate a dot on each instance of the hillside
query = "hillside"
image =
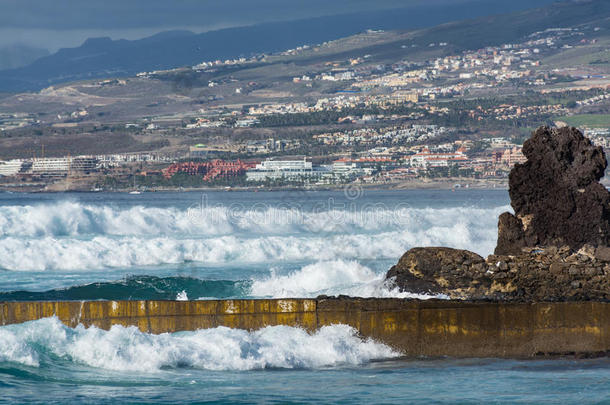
(172, 109)
(103, 57)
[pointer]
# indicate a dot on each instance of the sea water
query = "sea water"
(246, 244)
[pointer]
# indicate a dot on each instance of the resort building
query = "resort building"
(10, 167)
(508, 157)
(283, 169)
(54, 167)
(428, 159)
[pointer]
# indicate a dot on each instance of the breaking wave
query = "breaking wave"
(336, 277)
(303, 253)
(72, 236)
(75, 219)
(103, 252)
(46, 341)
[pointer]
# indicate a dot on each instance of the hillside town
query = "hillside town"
(457, 118)
(378, 165)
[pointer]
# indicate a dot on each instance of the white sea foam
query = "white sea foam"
(74, 219)
(128, 349)
(102, 252)
(65, 219)
(182, 296)
(470, 228)
(330, 278)
(14, 349)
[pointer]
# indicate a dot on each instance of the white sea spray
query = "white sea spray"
(129, 349)
(67, 218)
(336, 277)
(75, 236)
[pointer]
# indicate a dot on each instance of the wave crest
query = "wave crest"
(335, 277)
(103, 252)
(128, 349)
(137, 288)
(75, 219)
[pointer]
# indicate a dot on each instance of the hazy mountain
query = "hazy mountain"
(505, 28)
(103, 57)
(14, 56)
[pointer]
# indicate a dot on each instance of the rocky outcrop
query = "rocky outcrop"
(428, 270)
(556, 194)
(555, 246)
(550, 274)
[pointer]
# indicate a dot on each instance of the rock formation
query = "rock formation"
(556, 194)
(426, 270)
(551, 274)
(554, 248)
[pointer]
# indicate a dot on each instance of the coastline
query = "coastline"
(445, 184)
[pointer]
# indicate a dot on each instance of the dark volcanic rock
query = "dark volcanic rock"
(555, 247)
(421, 270)
(556, 194)
(551, 274)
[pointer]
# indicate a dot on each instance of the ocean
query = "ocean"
(210, 245)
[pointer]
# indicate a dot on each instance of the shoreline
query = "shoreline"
(452, 184)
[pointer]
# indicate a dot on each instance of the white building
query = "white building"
(428, 159)
(63, 165)
(344, 169)
(51, 166)
(246, 122)
(10, 167)
(282, 169)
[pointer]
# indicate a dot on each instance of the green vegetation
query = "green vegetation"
(599, 62)
(459, 110)
(528, 98)
(177, 180)
(331, 117)
(587, 120)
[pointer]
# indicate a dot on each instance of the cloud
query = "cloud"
(67, 23)
(121, 14)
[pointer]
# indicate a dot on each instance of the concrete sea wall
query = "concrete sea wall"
(417, 328)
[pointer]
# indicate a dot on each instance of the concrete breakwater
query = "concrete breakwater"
(417, 328)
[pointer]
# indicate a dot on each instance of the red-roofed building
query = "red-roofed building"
(428, 159)
(209, 170)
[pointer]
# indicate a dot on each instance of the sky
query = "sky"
(53, 24)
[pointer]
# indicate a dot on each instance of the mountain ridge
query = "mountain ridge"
(104, 57)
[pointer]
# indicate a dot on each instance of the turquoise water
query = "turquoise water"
(223, 244)
(244, 244)
(390, 381)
